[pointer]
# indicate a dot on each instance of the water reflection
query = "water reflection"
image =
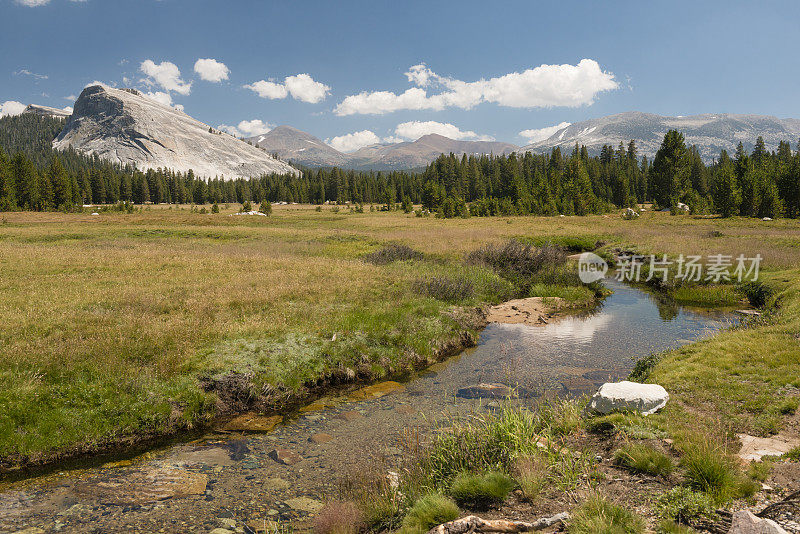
(578, 353)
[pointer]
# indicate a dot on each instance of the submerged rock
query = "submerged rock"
(486, 391)
(745, 522)
(628, 396)
(285, 456)
(252, 422)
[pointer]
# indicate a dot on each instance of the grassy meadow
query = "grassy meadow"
(107, 322)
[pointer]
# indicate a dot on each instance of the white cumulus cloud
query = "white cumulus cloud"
(302, 87)
(167, 75)
(413, 130)
(165, 99)
(540, 134)
(543, 86)
(33, 3)
(353, 141)
(11, 107)
(211, 70)
(247, 128)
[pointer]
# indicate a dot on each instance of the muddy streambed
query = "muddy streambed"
(235, 480)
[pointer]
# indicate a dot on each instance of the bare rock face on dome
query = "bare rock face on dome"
(126, 127)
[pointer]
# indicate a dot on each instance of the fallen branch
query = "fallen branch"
(471, 523)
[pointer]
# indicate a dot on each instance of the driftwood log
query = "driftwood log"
(474, 524)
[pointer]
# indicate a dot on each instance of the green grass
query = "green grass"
(644, 459)
(427, 512)
(480, 491)
(599, 516)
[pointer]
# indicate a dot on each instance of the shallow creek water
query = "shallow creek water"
(224, 477)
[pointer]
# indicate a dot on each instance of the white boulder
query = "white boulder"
(628, 396)
(745, 522)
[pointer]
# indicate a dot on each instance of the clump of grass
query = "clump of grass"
(682, 505)
(788, 406)
(339, 517)
(444, 288)
(495, 441)
(479, 492)
(606, 424)
(643, 459)
(599, 516)
(671, 527)
(708, 468)
(391, 253)
(532, 475)
(427, 512)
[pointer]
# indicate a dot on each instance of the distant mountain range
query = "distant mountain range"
(303, 148)
(711, 132)
(124, 126)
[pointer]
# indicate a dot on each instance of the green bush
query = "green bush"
(427, 512)
(683, 505)
(479, 492)
(644, 459)
(598, 516)
(644, 366)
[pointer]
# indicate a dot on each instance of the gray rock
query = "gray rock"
(124, 126)
(744, 522)
(628, 396)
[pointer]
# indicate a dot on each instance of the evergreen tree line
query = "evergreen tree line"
(33, 176)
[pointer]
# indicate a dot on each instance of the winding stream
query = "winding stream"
(195, 487)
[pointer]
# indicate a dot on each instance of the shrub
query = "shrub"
(479, 492)
(391, 253)
(598, 516)
(443, 288)
(427, 512)
(517, 260)
(683, 505)
(339, 517)
(757, 292)
(266, 208)
(644, 459)
(246, 206)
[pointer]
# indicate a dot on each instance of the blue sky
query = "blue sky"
(302, 60)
